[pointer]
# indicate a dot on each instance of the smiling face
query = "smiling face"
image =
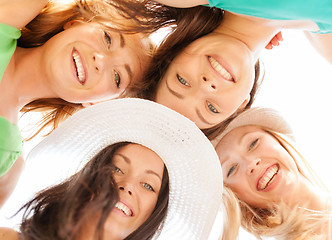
(209, 81)
(257, 167)
(138, 174)
(88, 62)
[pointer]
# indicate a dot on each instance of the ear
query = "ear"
(71, 23)
(85, 105)
(244, 103)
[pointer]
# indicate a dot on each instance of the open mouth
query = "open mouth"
(126, 210)
(80, 73)
(220, 69)
(268, 177)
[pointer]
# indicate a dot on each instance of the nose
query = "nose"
(209, 84)
(105, 60)
(99, 60)
(252, 165)
(126, 188)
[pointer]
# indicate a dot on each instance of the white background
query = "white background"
(298, 82)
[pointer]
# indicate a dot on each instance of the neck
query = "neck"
(256, 33)
(24, 80)
(311, 197)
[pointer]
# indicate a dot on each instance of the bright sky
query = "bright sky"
(298, 83)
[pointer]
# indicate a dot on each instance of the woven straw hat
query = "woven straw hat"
(192, 163)
(265, 117)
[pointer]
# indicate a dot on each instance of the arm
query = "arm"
(183, 3)
(8, 234)
(18, 13)
(9, 180)
(322, 43)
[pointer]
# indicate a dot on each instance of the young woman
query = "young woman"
(209, 79)
(187, 74)
(69, 55)
(123, 191)
(154, 135)
(268, 183)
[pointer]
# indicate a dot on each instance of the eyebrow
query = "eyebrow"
(122, 41)
(130, 73)
(173, 92)
(240, 141)
(149, 171)
(200, 116)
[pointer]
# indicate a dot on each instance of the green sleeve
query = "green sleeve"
(11, 145)
(8, 41)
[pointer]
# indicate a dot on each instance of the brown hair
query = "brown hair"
(127, 16)
(192, 24)
(61, 211)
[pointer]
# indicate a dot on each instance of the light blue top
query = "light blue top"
(318, 11)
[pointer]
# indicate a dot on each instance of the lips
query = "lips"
(220, 69)
(124, 208)
(268, 177)
(80, 72)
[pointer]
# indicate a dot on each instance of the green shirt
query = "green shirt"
(318, 11)
(11, 141)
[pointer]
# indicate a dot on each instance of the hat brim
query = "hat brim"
(194, 170)
(264, 117)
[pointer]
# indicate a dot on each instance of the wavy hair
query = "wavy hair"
(279, 220)
(192, 24)
(61, 211)
(126, 16)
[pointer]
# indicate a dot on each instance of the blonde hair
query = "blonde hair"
(126, 16)
(279, 220)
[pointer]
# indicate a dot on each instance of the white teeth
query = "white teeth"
(79, 67)
(123, 208)
(268, 177)
(220, 69)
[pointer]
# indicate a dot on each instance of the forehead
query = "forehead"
(137, 153)
(234, 137)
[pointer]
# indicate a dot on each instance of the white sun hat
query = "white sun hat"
(265, 117)
(195, 173)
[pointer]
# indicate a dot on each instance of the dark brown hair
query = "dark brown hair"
(192, 24)
(61, 211)
(127, 16)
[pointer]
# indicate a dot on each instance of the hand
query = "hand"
(274, 41)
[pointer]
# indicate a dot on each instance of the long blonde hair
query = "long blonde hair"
(279, 220)
(127, 16)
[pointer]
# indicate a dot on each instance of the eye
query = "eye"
(212, 108)
(182, 81)
(148, 187)
(231, 170)
(253, 144)
(108, 39)
(117, 79)
(117, 170)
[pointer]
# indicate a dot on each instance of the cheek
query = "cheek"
(148, 205)
(241, 188)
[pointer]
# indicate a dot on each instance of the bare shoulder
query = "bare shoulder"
(8, 234)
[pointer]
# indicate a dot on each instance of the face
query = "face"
(87, 62)
(209, 81)
(257, 167)
(138, 173)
